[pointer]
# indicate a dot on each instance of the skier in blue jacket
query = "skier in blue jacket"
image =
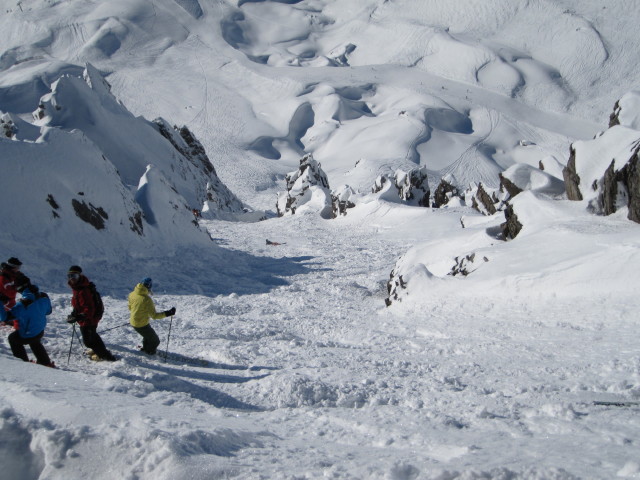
(30, 321)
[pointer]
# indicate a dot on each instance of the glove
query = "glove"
(76, 317)
(170, 313)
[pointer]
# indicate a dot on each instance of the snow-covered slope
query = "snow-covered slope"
(284, 359)
(103, 183)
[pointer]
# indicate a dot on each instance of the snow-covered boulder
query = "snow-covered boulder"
(7, 127)
(410, 187)
(413, 186)
(604, 172)
(482, 200)
(520, 177)
(445, 191)
(307, 190)
(626, 111)
(342, 199)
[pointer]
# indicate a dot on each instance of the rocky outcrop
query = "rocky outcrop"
(341, 200)
(604, 171)
(444, 193)
(507, 185)
(307, 189)
(622, 188)
(511, 228)
(413, 186)
(215, 198)
(483, 202)
(571, 178)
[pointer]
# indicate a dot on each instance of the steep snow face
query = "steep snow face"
(84, 156)
(130, 143)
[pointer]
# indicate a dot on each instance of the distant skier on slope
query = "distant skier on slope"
(10, 275)
(87, 313)
(142, 310)
(30, 314)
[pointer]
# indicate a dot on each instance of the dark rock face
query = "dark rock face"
(483, 202)
(571, 178)
(90, 214)
(614, 118)
(444, 192)
(379, 184)
(632, 176)
(508, 186)
(394, 285)
(512, 226)
(622, 188)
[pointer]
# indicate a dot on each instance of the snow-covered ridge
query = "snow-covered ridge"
(102, 181)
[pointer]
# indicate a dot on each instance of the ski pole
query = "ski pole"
(113, 328)
(166, 353)
(73, 334)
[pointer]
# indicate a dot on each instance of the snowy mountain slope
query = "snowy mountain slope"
(466, 384)
(233, 97)
(86, 155)
(285, 361)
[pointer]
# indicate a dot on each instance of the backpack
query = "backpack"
(97, 301)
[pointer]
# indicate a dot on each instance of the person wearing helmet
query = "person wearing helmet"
(142, 310)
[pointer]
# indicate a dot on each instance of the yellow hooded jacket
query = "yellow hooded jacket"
(142, 307)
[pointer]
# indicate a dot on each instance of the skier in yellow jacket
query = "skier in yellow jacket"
(142, 310)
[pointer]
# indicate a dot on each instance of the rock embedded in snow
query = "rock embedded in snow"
(444, 193)
(483, 202)
(512, 226)
(307, 190)
(604, 171)
(342, 199)
(520, 177)
(413, 186)
(626, 111)
(218, 197)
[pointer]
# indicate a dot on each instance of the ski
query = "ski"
(616, 403)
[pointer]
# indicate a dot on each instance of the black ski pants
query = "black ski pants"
(93, 341)
(150, 340)
(17, 344)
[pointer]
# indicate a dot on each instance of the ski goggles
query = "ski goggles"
(73, 276)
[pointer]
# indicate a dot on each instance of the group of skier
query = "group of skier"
(28, 313)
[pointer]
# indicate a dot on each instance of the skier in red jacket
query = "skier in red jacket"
(84, 312)
(10, 278)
